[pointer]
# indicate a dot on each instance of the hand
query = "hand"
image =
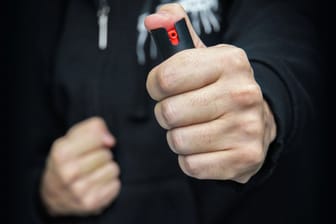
(217, 120)
(81, 177)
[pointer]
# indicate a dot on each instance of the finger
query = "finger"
(99, 177)
(186, 71)
(94, 125)
(85, 165)
(194, 107)
(101, 196)
(201, 138)
(166, 16)
(222, 165)
(83, 138)
(56, 196)
(195, 68)
(230, 131)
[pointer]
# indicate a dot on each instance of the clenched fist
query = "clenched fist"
(208, 100)
(81, 177)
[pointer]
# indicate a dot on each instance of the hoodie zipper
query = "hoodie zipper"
(103, 16)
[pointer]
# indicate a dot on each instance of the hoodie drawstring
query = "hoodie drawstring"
(102, 14)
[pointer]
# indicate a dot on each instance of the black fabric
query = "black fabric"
(74, 80)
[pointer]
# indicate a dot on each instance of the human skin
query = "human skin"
(217, 121)
(81, 177)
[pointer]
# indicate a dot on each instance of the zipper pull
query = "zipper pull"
(102, 14)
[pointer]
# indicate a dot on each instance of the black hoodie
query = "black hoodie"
(78, 80)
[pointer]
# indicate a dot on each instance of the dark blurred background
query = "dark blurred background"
(302, 190)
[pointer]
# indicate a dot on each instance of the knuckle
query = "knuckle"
(166, 78)
(168, 113)
(249, 95)
(239, 59)
(78, 189)
(253, 156)
(253, 130)
(251, 127)
(223, 58)
(67, 174)
(255, 93)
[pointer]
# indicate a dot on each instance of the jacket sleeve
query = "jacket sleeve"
(281, 43)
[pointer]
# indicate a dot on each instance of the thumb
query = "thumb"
(166, 16)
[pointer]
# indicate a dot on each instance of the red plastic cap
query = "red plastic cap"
(173, 36)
